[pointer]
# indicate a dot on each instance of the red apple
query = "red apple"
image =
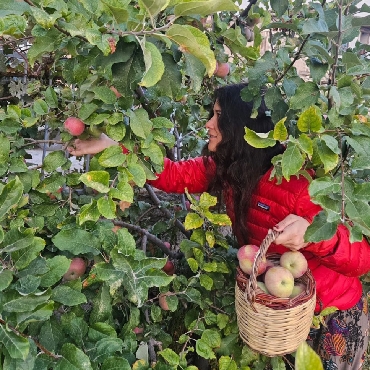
(279, 281)
(167, 244)
(74, 126)
(246, 256)
(138, 330)
(295, 262)
(222, 69)
(76, 269)
(169, 268)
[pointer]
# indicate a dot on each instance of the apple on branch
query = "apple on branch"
(169, 268)
(76, 269)
(74, 126)
(279, 281)
(222, 69)
(295, 262)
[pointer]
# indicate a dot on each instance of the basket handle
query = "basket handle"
(250, 289)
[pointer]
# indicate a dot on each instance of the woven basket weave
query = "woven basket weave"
(272, 326)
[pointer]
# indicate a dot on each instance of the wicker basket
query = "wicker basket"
(272, 326)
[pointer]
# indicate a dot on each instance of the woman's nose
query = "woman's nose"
(210, 123)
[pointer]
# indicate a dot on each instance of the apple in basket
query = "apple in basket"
(295, 262)
(297, 289)
(246, 255)
(279, 282)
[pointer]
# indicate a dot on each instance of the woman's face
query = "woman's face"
(214, 135)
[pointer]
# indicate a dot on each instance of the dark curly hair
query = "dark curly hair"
(239, 166)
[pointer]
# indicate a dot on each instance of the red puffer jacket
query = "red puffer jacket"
(336, 264)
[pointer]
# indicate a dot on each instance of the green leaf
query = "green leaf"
(15, 7)
(193, 221)
(43, 18)
(26, 303)
(51, 97)
(54, 160)
(320, 229)
(119, 9)
(359, 213)
(193, 41)
(313, 25)
(227, 363)
(124, 192)
(171, 357)
(309, 121)
(207, 200)
(154, 66)
(154, 152)
(98, 180)
(89, 212)
(17, 346)
(140, 124)
(76, 241)
(43, 44)
(73, 359)
(203, 8)
(105, 94)
(6, 277)
(324, 186)
(112, 157)
(68, 296)
(161, 122)
(206, 282)
(23, 257)
(307, 359)
(279, 6)
(153, 7)
(306, 95)
(278, 363)
(195, 69)
(115, 363)
(292, 160)
(15, 240)
(10, 195)
(40, 107)
(280, 131)
(259, 140)
(58, 266)
(87, 110)
(211, 337)
(107, 207)
(204, 350)
(138, 174)
(327, 156)
(138, 276)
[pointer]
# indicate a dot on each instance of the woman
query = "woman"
(257, 204)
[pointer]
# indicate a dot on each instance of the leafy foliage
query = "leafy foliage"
(142, 72)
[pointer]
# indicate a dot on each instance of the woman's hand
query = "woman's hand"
(293, 228)
(90, 146)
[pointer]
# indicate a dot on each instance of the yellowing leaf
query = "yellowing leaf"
(309, 120)
(280, 131)
(153, 7)
(193, 221)
(193, 41)
(258, 140)
(154, 66)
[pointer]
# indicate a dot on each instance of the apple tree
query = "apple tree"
(143, 72)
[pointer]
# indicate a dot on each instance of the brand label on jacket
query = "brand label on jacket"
(263, 206)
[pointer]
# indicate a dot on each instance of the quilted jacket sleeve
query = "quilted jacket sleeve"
(338, 254)
(190, 174)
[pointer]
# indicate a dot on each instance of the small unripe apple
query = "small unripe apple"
(76, 269)
(279, 281)
(262, 286)
(295, 262)
(187, 205)
(297, 289)
(115, 228)
(74, 126)
(222, 69)
(169, 268)
(167, 244)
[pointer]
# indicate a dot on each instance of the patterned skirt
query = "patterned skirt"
(342, 343)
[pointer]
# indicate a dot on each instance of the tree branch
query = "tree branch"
(164, 210)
